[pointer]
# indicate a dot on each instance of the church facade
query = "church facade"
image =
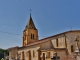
(63, 46)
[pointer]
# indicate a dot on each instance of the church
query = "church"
(62, 46)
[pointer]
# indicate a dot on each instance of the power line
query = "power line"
(9, 33)
(17, 34)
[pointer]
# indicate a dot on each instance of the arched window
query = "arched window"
(57, 42)
(33, 53)
(44, 56)
(48, 54)
(72, 49)
(23, 55)
(29, 54)
(31, 36)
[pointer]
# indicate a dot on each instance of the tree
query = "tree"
(4, 51)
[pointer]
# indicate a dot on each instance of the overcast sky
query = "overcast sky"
(50, 17)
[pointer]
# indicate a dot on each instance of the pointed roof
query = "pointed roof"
(30, 24)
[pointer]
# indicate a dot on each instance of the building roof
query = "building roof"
(12, 48)
(35, 43)
(48, 38)
(30, 24)
(61, 34)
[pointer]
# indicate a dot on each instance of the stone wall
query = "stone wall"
(13, 52)
(29, 52)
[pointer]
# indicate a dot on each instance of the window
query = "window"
(57, 42)
(29, 54)
(48, 54)
(31, 36)
(23, 55)
(72, 49)
(33, 53)
(44, 56)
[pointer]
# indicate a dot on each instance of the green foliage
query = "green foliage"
(4, 51)
(1, 50)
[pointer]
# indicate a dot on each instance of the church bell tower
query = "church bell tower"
(30, 33)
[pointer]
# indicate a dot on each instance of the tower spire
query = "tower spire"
(30, 33)
(30, 24)
(30, 13)
(30, 16)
